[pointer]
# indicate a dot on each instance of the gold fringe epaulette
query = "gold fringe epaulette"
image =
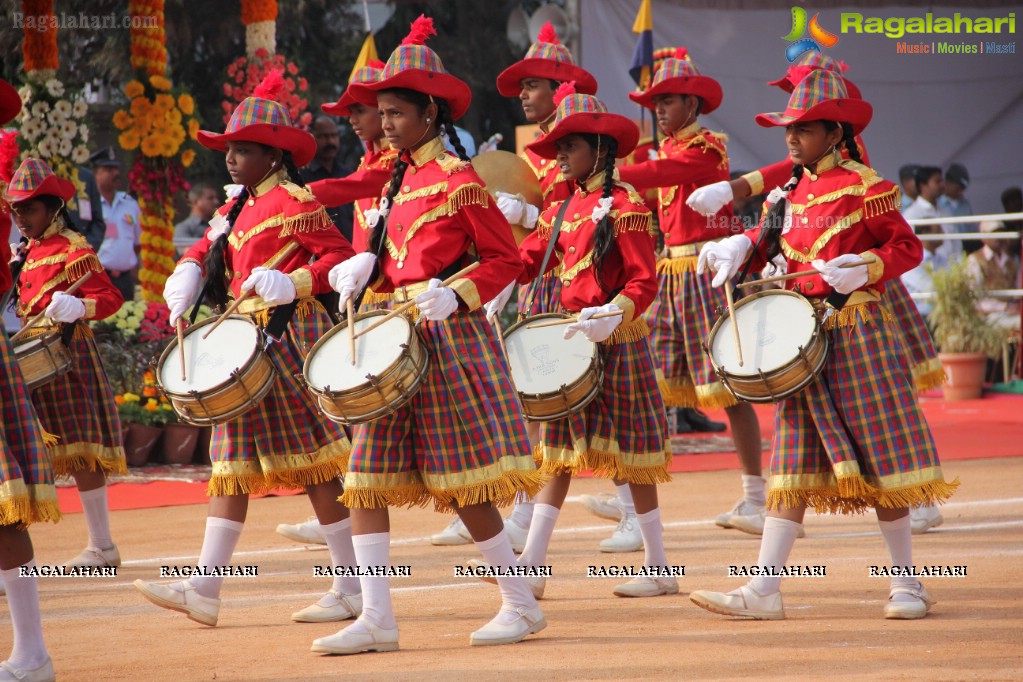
(450, 163)
(314, 221)
(469, 194)
(868, 176)
(299, 192)
(403, 197)
(708, 139)
(632, 222)
(81, 266)
(543, 229)
(880, 204)
(75, 239)
(628, 332)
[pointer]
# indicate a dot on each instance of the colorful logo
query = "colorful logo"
(800, 45)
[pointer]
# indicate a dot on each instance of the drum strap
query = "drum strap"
(279, 320)
(555, 231)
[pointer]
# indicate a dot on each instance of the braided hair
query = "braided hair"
(444, 119)
(604, 235)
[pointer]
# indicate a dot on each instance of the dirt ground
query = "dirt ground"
(102, 629)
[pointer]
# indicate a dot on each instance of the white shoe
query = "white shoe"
(309, 532)
(368, 637)
(743, 602)
(626, 538)
(537, 584)
(908, 610)
(344, 607)
(749, 518)
(455, 534)
(922, 519)
(94, 556)
(646, 586)
(605, 505)
(516, 534)
(529, 621)
(181, 596)
(43, 673)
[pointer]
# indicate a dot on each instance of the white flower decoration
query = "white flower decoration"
(69, 129)
(233, 191)
(374, 215)
(39, 109)
(25, 92)
(64, 148)
(83, 133)
(80, 154)
(602, 208)
(776, 195)
(218, 223)
(64, 107)
(79, 109)
(54, 87)
(45, 149)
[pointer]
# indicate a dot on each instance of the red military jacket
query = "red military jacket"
(361, 187)
(629, 273)
(553, 184)
(57, 261)
(841, 209)
(691, 158)
(777, 174)
(442, 209)
(276, 213)
(5, 247)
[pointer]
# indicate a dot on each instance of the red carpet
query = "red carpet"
(973, 429)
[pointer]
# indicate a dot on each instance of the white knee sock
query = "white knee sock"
(515, 592)
(97, 517)
(898, 536)
(653, 538)
(540, 532)
(339, 542)
(753, 490)
(522, 513)
(625, 495)
(775, 546)
(374, 549)
(217, 548)
(29, 650)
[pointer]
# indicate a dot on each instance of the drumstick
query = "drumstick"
(39, 318)
(804, 273)
(496, 321)
(735, 323)
(270, 265)
(181, 346)
(407, 305)
(350, 309)
(570, 320)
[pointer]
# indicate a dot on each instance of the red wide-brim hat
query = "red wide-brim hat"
(546, 58)
(34, 179)
(795, 74)
(586, 114)
(821, 96)
(678, 76)
(10, 102)
(301, 144)
(365, 74)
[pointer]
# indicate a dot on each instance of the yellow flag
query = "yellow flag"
(644, 18)
(367, 53)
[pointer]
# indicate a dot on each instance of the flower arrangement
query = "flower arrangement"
(245, 73)
(260, 20)
(39, 48)
(148, 45)
(149, 409)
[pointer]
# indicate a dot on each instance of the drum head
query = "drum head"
(772, 327)
(331, 364)
(542, 360)
(27, 346)
(209, 362)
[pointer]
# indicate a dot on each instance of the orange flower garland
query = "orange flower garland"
(148, 45)
(254, 11)
(40, 46)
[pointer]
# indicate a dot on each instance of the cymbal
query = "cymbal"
(506, 172)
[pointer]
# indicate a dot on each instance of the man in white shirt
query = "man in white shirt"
(919, 280)
(119, 253)
(930, 186)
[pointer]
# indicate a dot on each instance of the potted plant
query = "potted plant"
(964, 336)
(145, 418)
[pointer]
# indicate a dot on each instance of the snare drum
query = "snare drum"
(554, 377)
(783, 346)
(390, 368)
(226, 375)
(42, 359)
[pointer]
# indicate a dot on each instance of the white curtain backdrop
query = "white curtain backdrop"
(928, 109)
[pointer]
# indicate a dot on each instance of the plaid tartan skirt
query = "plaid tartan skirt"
(27, 494)
(623, 432)
(856, 437)
(284, 442)
(539, 298)
(460, 441)
(79, 409)
(924, 363)
(680, 318)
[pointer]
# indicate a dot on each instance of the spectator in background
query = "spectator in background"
(953, 203)
(930, 186)
(122, 237)
(203, 198)
(1012, 202)
(88, 213)
(996, 266)
(467, 140)
(326, 165)
(907, 178)
(919, 280)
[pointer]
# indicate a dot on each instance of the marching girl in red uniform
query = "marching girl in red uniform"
(686, 305)
(27, 494)
(436, 208)
(856, 437)
(77, 407)
(283, 442)
(606, 253)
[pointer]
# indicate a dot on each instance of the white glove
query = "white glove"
(437, 302)
(181, 289)
(491, 144)
(496, 305)
(842, 280)
(595, 330)
(65, 308)
(710, 199)
(725, 257)
(516, 210)
(273, 286)
(351, 276)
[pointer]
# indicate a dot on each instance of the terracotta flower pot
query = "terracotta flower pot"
(139, 443)
(965, 373)
(178, 444)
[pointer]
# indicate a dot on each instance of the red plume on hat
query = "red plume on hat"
(8, 155)
(584, 114)
(271, 87)
(375, 64)
(548, 59)
(422, 29)
(564, 90)
(548, 34)
(682, 53)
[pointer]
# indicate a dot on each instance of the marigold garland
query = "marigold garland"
(39, 48)
(254, 11)
(148, 45)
